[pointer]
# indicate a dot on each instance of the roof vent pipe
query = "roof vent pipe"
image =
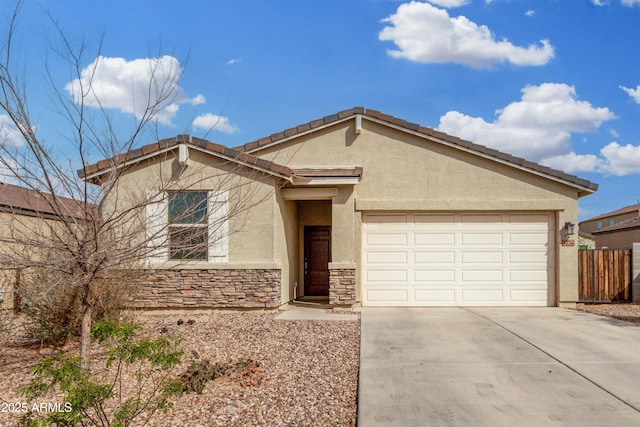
(183, 155)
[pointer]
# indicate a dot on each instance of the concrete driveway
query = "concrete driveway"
(497, 367)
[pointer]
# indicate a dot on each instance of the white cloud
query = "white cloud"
(131, 86)
(633, 93)
(424, 33)
(621, 160)
(599, 2)
(630, 2)
(539, 126)
(214, 122)
(530, 13)
(449, 3)
(573, 162)
(9, 134)
(614, 159)
(233, 61)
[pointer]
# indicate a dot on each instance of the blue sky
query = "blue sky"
(554, 81)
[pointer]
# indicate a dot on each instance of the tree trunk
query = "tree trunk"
(85, 334)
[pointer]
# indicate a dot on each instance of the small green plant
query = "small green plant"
(101, 400)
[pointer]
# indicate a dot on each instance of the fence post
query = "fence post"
(635, 273)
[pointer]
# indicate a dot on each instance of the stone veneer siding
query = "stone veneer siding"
(342, 286)
(202, 289)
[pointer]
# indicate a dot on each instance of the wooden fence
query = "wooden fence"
(604, 275)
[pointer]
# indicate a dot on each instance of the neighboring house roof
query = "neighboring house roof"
(624, 225)
(621, 211)
(27, 201)
(587, 187)
(94, 171)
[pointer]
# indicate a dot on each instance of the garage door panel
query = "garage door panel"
(434, 296)
(387, 257)
(381, 220)
(387, 296)
(488, 257)
(529, 296)
(470, 276)
(387, 276)
(528, 257)
(528, 239)
(386, 239)
(482, 239)
(484, 296)
(432, 239)
(453, 259)
(529, 222)
(433, 257)
(528, 276)
(434, 276)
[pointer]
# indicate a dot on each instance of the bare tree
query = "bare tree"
(90, 238)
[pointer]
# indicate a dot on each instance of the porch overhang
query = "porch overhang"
(326, 176)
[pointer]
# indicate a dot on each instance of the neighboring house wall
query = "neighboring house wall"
(589, 226)
(405, 172)
(617, 239)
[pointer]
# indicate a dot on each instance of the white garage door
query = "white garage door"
(452, 259)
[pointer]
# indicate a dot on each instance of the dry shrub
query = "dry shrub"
(52, 303)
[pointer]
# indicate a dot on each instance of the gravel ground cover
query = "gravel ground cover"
(628, 312)
(307, 374)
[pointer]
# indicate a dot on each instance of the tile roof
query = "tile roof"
(626, 209)
(132, 156)
(27, 201)
(424, 131)
(624, 225)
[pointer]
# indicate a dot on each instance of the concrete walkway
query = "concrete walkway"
(309, 312)
(497, 367)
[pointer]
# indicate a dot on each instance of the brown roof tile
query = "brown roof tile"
(21, 199)
(480, 149)
(213, 148)
(626, 209)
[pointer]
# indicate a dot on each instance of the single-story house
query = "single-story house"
(358, 207)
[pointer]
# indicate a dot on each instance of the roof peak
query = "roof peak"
(302, 129)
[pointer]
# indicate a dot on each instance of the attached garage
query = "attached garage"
(458, 259)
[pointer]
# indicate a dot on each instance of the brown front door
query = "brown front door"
(317, 255)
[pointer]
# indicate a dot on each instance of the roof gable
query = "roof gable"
(94, 171)
(359, 113)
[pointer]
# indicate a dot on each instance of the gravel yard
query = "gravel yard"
(628, 312)
(307, 375)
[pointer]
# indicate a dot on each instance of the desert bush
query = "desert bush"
(104, 400)
(53, 303)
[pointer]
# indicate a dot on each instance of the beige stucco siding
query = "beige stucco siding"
(403, 171)
(252, 218)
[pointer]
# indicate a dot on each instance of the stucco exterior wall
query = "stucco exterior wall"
(252, 217)
(591, 226)
(405, 172)
(618, 239)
